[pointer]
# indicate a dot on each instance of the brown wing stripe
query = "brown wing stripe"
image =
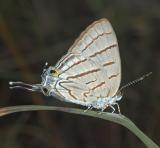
(104, 50)
(113, 76)
(91, 82)
(84, 73)
(79, 62)
(69, 91)
(108, 63)
(95, 40)
(85, 94)
(86, 31)
(99, 85)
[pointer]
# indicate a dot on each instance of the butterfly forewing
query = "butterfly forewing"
(99, 43)
(93, 62)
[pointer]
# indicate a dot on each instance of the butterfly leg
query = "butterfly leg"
(119, 111)
(102, 110)
(88, 108)
(112, 108)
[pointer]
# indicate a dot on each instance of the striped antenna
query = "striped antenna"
(44, 68)
(135, 81)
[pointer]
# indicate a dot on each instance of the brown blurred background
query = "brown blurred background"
(35, 31)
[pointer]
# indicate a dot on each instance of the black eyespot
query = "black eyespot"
(45, 90)
(52, 71)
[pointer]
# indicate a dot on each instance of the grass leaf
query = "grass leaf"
(116, 118)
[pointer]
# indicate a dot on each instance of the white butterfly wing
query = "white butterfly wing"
(92, 61)
(99, 43)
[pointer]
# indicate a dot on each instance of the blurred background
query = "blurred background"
(35, 31)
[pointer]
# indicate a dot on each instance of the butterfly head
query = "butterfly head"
(49, 79)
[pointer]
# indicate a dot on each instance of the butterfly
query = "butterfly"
(89, 74)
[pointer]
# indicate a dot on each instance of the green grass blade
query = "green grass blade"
(116, 118)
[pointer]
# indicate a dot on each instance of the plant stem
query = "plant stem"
(116, 118)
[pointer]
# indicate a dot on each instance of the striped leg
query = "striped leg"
(112, 108)
(102, 110)
(119, 111)
(88, 108)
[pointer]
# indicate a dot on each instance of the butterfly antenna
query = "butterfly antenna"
(135, 81)
(45, 65)
(44, 68)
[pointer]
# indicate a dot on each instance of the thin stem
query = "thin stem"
(116, 118)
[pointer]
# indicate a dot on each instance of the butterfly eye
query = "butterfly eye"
(45, 90)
